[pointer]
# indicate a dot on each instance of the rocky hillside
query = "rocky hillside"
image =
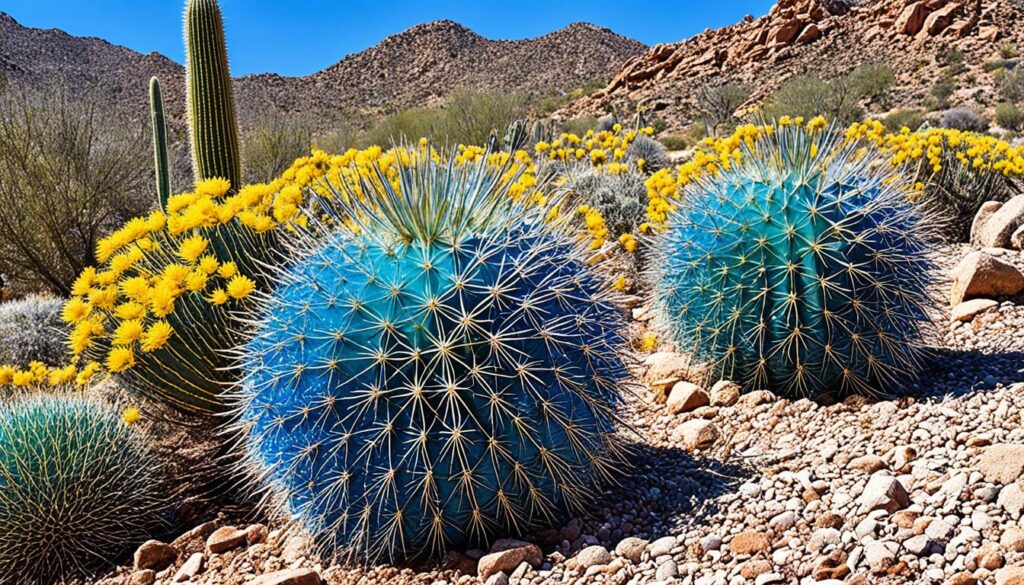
(828, 37)
(420, 66)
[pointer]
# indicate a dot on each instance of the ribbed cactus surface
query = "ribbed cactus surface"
(159, 128)
(78, 490)
(211, 103)
(446, 375)
(803, 268)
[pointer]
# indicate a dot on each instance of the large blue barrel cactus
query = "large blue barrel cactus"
(444, 373)
(804, 268)
(79, 489)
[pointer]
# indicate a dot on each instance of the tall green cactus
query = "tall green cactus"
(211, 104)
(163, 173)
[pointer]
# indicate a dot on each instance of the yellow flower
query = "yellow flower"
(61, 376)
(6, 375)
(104, 298)
(131, 415)
(628, 242)
(219, 297)
(130, 310)
(84, 282)
(214, 187)
(649, 343)
(156, 336)
(22, 378)
(120, 359)
(196, 281)
(75, 310)
(86, 373)
(128, 332)
(227, 270)
(162, 301)
(240, 286)
(192, 248)
(620, 283)
(136, 288)
(209, 264)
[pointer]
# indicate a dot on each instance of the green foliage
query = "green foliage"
(159, 129)
(941, 92)
(68, 176)
(1008, 51)
(1010, 116)
(1010, 85)
(804, 269)
(31, 330)
(954, 60)
(272, 143)
(579, 126)
(912, 119)
(1000, 64)
(718, 107)
(211, 103)
(79, 489)
(839, 99)
(673, 141)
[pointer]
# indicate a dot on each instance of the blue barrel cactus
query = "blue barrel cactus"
(804, 268)
(79, 489)
(445, 373)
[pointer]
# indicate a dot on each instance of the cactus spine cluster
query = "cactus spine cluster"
(159, 124)
(78, 489)
(447, 372)
(803, 268)
(211, 104)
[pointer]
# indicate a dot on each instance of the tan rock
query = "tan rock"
(154, 555)
(1002, 463)
(189, 569)
(968, 310)
(750, 542)
(1017, 239)
(997, 229)
(937, 21)
(867, 463)
(1013, 539)
(756, 397)
(1012, 575)
(990, 557)
(754, 568)
(696, 434)
(663, 365)
(982, 275)
(810, 33)
(981, 218)
(884, 492)
(911, 19)
(224, 539)
(256, 534)
(725, 393)
(505, 556)
(289, 577)
(962, 578)
(144, 577)
(905, 518)
(686, 396)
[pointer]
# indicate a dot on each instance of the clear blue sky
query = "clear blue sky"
(298, 38)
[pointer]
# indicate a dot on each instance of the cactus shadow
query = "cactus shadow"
(666, 490)
(956, 372)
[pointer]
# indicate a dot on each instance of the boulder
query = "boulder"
(911, 19)
(996, 230)
(224, 539)
(686, 396)
(631, 548)
(696, 434)
(725, 393)
(968, 310)
(505, 556)
(154, 555)
(884, 492)
(1002, 463)
(982, 275)
(937, 21)
(981, 219)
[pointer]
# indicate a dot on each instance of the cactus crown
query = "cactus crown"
(78, 489)
(802, 268)
(444, 373)
(211, 103)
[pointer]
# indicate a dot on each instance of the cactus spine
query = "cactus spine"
(163, 173)
(211, 105)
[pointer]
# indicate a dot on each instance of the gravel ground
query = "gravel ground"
(925, 487)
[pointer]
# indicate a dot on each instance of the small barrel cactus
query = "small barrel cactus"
(78, 490)
(803, 268)
(446, 373)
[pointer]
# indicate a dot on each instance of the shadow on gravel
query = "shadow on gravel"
(666, 488)
(955, 372)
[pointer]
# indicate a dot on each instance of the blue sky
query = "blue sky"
(298, 38)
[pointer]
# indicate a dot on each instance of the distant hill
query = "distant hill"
(421, 66)
(828, 37)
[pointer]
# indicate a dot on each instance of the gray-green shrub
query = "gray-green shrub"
(31, 329)
(621, 198)
(1010, 116)
(652, 152)
(912, 119)
(964, 119)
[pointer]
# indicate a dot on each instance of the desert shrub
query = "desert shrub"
(606, 123)
(718, 106)
(837, 99)
(673, 141)
(272, 144)
(964, 119)
(954, 60)
(411, 124)
(468, 118)
(650, 151)
(871, 81)
(68, 176)
(620, 198)
(31, 330)
(773, 311)
(941, 92)
(1000, 64)
(79, 489)
(579, 126)
(911, 119)
(1008, 51)
(1010, 116)
(1010, 85)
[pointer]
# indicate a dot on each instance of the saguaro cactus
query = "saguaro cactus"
(163, 174)
(211, 104)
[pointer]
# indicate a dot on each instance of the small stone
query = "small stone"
(725, 393)
(696, 434)
(884, 492)
(256, 534)
(783, 521)
(289, 577)
(770, 579)
(506, 554)
(878, 556)
(154, 555)
(1011, 499)
(867, 463)
(754, 568)
(962, 578)
(1002, 463)
(829, 520)
(755, 398)
(224, 539)
(592, 556)
(905, 518)
(968, 310)
(143, 577)
(709, 543)
(919, 545)
(832, 566)
(189, 569)
(901, 458)
(667, 571)
(631, 548)
(990, 557)
(499, 578)
(1010, 576)
(1013, 539)
(940, 531)
(749, 543)
(822, 538)
(295, 548)
(686, 396)
(662, 546)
